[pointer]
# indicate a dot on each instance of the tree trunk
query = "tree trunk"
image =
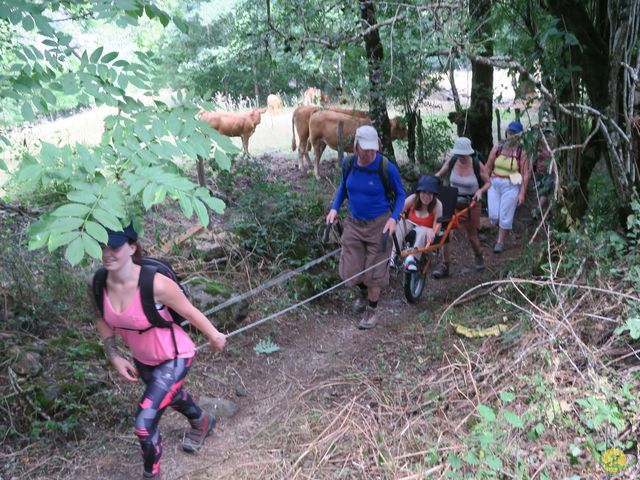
(256, 86)
(479, 120)
(377, 99)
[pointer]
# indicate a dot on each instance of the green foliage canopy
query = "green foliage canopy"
(145, 149)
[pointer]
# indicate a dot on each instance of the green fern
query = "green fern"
(266, 347)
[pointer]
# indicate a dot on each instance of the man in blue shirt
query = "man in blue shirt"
(376, 198)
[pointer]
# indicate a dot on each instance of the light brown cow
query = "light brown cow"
(323, 131)
(314, 96)
(234, 124)
(300, 122)
(274, 103)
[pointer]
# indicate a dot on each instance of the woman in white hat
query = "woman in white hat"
(469, 175)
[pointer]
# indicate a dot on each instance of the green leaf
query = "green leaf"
(91, 246)
(109, 57)
(513, 419)
(454, 461)
(28, 23)
(201, 212)
(148, 195)
(164, 19)
(486, 412)
(74, 252)
(95, 56)
(71, 210)
(507, 397)
(80, 196)
(59, 239)
(214, 204)
(107, 219)
(38, 240)
(185, 205)
(65, 224)
(181, 24)
(493, 462)
(27, 112)
(97, 231)
(222, 160)
(470, 458)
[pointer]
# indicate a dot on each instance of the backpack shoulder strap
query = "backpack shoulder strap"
(518, 155)
(97, 285)
(475, 161)
(383, 172)
(452, 163)
(147, 273)
(347, 166)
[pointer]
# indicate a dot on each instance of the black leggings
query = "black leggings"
(164, 389)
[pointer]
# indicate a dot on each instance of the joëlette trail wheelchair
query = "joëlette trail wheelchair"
(414, 281)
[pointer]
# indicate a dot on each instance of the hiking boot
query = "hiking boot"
(151, 476)
(370, 319)
(360, 303)
(200, 429)
(479, 262)
(498, 248)
(441, 271)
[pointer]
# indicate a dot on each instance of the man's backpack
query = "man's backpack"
(149, 267)
(383, 173)
(475, 161)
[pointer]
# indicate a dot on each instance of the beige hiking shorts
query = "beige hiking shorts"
(361, 248)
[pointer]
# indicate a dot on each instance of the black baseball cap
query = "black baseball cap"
(117, 239)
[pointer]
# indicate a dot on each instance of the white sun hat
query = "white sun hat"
(462, 146)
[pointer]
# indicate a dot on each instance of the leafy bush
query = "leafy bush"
(273, 222)
(434, 140)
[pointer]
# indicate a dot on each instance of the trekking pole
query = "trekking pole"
(385, 239)
(327, 231)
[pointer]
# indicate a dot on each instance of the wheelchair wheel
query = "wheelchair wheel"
(414, 283)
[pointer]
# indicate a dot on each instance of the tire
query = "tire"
(413, 283)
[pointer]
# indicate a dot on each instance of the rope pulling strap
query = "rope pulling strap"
(299, 304)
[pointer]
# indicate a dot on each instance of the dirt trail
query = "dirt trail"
(317, 343)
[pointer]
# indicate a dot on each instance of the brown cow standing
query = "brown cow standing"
(300, 122)
(314, 96)
(274, 103)
(234, 124)
(323, 131)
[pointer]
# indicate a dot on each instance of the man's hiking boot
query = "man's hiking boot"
(441, 271)
(200, 429)
(479, 262)
(360, 303)
(370, 320)
(151, 476)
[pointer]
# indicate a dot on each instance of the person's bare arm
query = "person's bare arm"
(168, 293)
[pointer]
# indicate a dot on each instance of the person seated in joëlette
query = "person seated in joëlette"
(421, 211)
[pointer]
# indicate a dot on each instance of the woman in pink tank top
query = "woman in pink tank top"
(157, 360)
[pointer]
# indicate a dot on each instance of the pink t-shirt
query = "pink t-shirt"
(153, 347)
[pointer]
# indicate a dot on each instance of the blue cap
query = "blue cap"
(428, 184)
(515, 127)
(117, 239)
